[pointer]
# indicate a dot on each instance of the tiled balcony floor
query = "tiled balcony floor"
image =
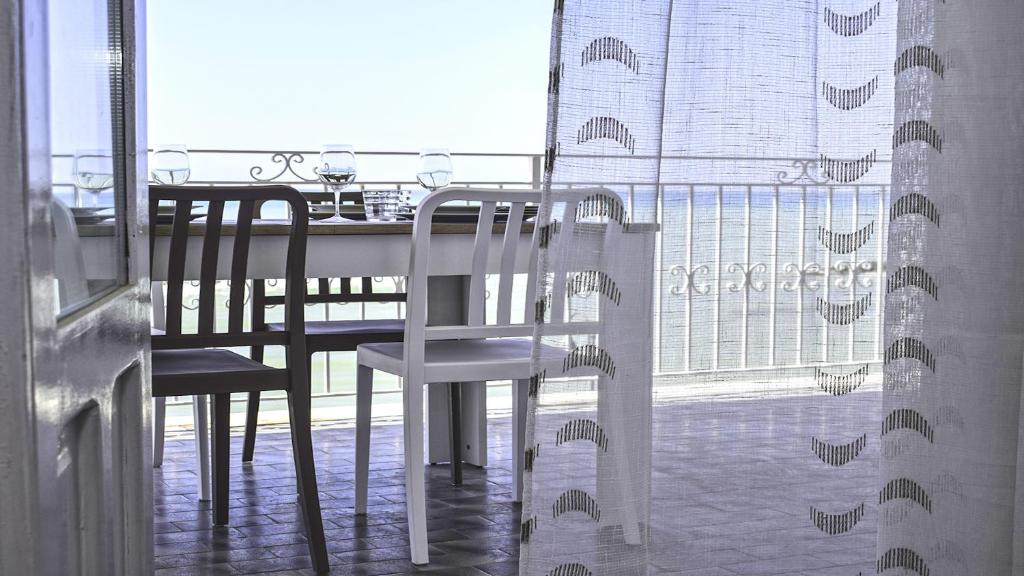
(733, 483)
(743, 470)
(473, 529)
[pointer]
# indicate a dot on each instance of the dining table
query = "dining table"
(348, 249)
(345, 249)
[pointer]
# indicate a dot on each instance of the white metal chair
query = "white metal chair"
(474, 351)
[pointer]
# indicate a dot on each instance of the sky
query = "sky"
(469, 75)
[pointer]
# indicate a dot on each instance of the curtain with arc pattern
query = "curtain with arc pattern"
(797, 227)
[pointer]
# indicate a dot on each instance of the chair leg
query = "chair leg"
(455, 431)
(221, 456)
(159, 422)
(252, 413)
(364, 401)
(415, 497)
(305, 480)
(201, 427)
(520, 392)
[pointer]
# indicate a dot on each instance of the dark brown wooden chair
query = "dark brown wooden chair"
(194, 364)
(321, 335)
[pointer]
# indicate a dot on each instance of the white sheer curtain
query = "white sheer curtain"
(806, 264)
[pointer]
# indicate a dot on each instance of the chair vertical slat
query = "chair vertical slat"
(295, 298)
(560, 274)
(509, 249)
(208, 267)
(367, 285)
(324, 286)
(346, 286)
(259, 309)
(531, 271)
(176, 264)
(240, 265)
(481, 252)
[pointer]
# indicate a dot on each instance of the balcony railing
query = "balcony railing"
(765, 274)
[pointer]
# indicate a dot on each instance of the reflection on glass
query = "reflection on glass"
(69, 263)
(170, 164)
(85, 80)
(435, 168)
(337, 169)
(94, 172)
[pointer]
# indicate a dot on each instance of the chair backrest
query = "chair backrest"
(320, 291)
(483, 260)
(69, 262)
(419, 266)
(580, 208)
(183, 199)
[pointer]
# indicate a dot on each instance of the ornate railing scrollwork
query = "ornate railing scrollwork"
(246, 294)
(851, 272)
(747, 280)
(271, 283)
(287, 160)
(688, 280)
(193, 302)
(806, 277)
(397, 281)
(807, 174)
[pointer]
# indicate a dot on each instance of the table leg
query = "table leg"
(625, 401)
(447, 305)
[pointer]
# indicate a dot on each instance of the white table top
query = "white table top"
(350, 249)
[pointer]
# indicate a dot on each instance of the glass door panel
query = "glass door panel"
(86, 117)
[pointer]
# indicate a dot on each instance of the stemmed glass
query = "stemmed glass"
(94, 171)
(171, 164)
(337, 170)
(435, 168)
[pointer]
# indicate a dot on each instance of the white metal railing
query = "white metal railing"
(763, 290)
(746, 280)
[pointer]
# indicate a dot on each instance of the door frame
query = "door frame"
(97, 357)
(18, 496)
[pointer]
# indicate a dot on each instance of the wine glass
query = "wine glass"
(170, 164)
(435, 168)
(94, 171)
(337, 170)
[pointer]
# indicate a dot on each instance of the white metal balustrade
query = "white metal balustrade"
(747, 276)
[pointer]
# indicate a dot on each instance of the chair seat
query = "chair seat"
(457, 360)
(342, 335)
(194, 371)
